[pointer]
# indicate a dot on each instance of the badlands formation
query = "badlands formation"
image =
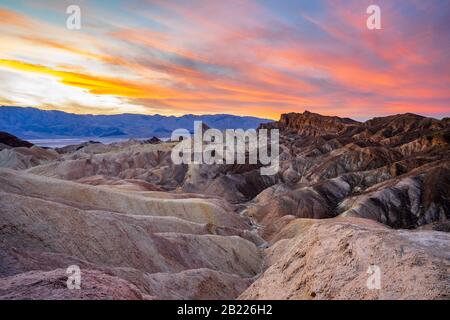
(348, 196)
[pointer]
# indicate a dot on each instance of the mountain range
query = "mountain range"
(32, 123)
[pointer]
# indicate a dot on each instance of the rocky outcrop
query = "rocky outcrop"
(52, 285)
(9, 141)
(21, 158)
(311, 124)
(412, 200)
(196, 284)
(76, 147)
(235, 184)
(385, 169)
(153, 140)
(330, 259)
(125, 160)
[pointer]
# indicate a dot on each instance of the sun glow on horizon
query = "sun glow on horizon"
(210, 57)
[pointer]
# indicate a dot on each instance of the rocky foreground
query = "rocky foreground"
(349, 196)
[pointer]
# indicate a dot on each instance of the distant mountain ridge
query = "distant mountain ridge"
(33, 123)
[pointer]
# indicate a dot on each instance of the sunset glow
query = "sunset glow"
(260, 58)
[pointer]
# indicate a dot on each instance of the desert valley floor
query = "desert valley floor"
(349, 195)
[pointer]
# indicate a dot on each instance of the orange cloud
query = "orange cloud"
(95, 85)
(242, 57)
(9, 17)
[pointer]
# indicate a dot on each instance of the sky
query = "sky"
(254, 57)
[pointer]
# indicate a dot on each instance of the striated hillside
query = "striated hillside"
(395, 170)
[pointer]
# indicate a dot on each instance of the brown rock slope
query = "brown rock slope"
(139, 166)
(44, 285)
(394, 170)
(19, 154)
(23, 158)
(131, 236)
(329, 259)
